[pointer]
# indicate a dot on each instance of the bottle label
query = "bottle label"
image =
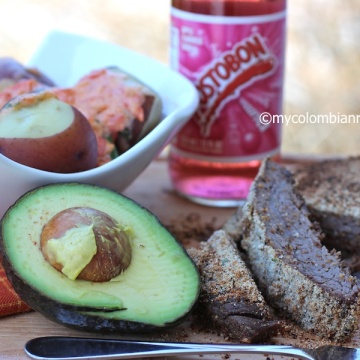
(237, 65)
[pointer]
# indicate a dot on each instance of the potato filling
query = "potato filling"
(87, 244)
(35, 116)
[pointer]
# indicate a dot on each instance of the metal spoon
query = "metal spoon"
(74, 348)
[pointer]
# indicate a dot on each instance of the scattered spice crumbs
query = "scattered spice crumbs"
(191, 228)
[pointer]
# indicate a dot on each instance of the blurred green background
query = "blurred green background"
(322, 60)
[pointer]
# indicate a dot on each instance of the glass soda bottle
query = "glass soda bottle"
(233, 52)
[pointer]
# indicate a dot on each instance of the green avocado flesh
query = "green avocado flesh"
(159, 287)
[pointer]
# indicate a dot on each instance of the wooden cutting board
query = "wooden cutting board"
(152, 190)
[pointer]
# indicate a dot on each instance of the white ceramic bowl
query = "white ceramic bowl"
(65, 57)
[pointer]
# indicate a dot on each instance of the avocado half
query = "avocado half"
(157, 290)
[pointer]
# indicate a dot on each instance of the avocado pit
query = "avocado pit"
(85, 243)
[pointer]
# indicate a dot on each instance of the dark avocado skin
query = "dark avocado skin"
(74, 316)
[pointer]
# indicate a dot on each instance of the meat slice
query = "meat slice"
(296, 274)
(229, 298)
(331, 190)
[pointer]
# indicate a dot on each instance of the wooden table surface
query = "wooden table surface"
(152, 190)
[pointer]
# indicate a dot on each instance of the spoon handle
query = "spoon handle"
(75, 348)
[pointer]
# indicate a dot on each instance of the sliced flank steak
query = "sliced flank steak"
(331, 190)
(229, 298)
(294, 271)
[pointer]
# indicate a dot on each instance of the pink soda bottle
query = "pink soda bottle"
(233, 52)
